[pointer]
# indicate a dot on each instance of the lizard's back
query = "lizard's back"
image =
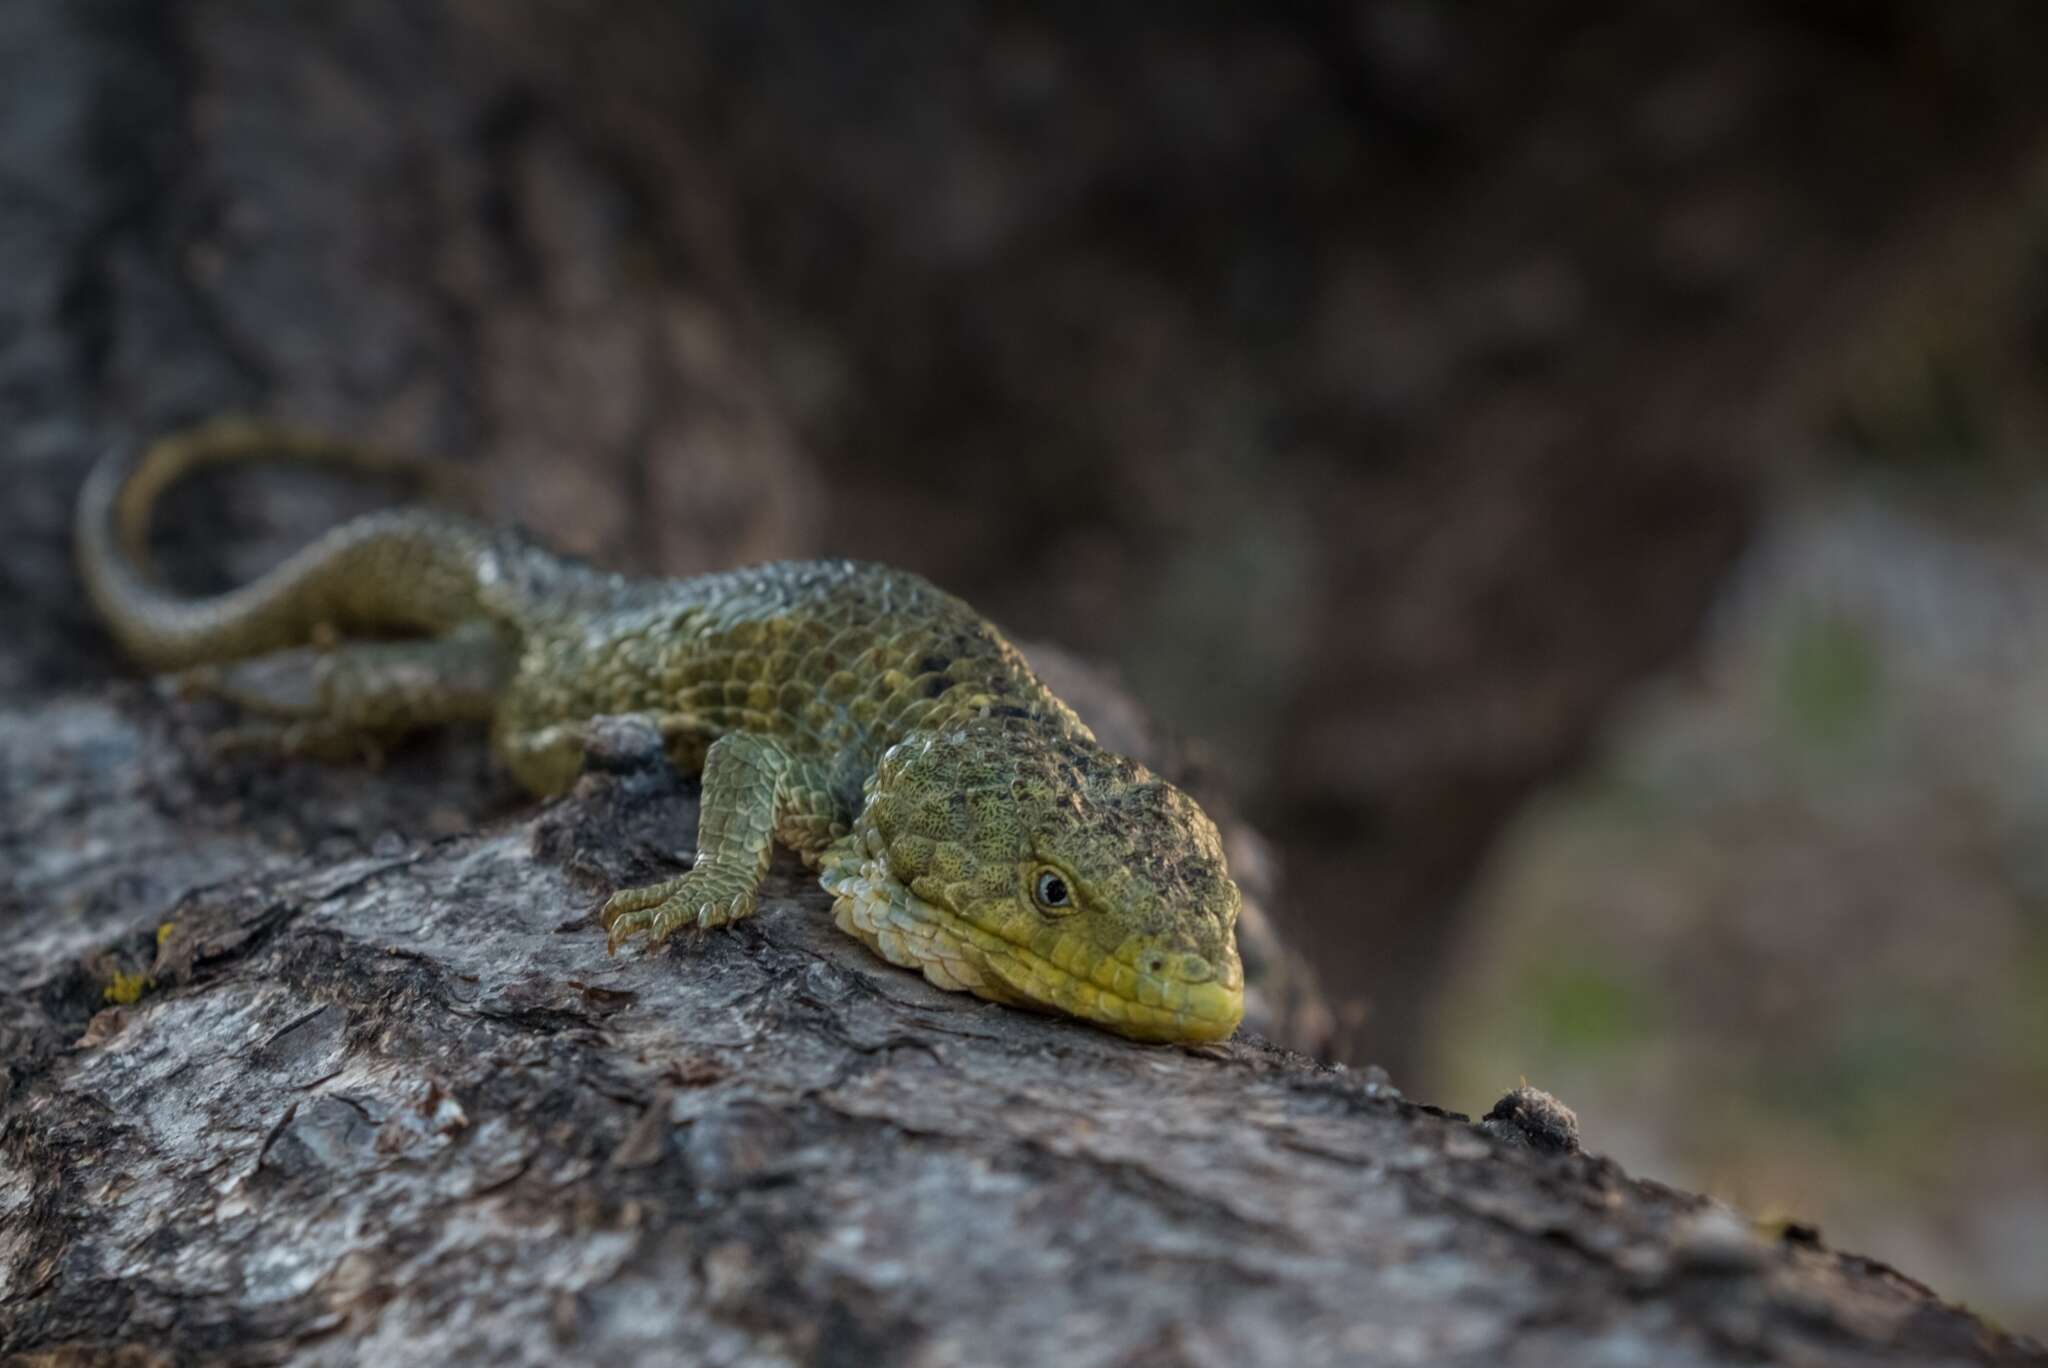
(835, 659)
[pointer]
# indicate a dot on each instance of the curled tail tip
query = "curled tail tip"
(112, 583)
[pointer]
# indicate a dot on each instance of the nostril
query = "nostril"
(1183, 967)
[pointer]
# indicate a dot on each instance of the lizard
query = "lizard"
(964, 819)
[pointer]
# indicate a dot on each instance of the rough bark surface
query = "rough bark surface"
(388, 1100)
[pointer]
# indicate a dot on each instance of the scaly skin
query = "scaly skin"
(964, 819)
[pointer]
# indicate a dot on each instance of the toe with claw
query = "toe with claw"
(660, 910)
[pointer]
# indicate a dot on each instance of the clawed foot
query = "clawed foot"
(660, 910)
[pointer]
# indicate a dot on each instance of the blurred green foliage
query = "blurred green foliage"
(1829, 680)
(1586, 1008)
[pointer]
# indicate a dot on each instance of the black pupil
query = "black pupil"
(1053, 889)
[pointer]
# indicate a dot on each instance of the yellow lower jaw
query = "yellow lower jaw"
(904, 929)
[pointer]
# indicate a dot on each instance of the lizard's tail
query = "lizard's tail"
(405, 570)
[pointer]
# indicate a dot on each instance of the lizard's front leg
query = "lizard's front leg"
(745, 777)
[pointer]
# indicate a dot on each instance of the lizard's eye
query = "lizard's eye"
(1049, 889)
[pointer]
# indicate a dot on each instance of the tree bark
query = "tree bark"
(390, 1101)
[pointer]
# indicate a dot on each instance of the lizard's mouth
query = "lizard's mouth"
(1141, 991)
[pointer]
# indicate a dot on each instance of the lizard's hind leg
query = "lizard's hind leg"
(348, 701)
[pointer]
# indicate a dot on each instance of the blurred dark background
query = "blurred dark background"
(1572, 474)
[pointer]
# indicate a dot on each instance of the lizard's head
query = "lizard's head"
(1032, 867)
